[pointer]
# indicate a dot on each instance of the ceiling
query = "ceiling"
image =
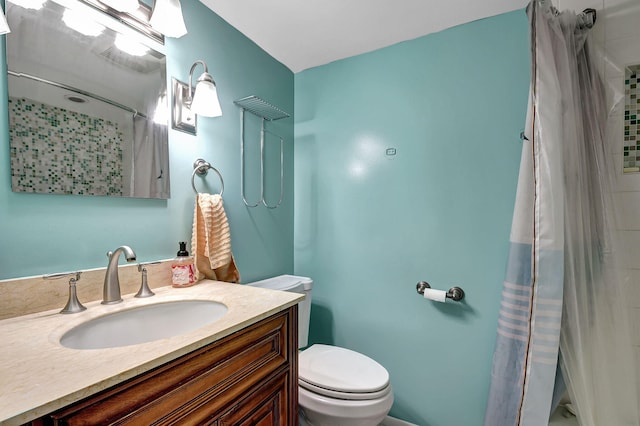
(306, 33)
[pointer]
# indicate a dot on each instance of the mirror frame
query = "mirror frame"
(139, 22)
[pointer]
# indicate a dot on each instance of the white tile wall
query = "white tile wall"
(631, 288)
(635, 317)
(618, 35)
(627, 206)
(629, 256)
(618, 23)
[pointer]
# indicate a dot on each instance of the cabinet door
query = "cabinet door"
(265, 406)
(198, 387)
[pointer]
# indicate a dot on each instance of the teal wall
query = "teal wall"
(51, 233)
(368, 226)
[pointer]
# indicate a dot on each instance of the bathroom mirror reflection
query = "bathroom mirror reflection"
(87, 102)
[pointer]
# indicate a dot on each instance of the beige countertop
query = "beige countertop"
(38, 375)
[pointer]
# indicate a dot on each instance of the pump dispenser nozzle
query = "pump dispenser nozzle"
(183, 249)
(183, 272)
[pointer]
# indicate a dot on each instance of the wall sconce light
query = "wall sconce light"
(167, 18)
(4, 27)
(188, 102)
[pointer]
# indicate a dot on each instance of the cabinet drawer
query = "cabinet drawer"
(199, 386)
(265, 406)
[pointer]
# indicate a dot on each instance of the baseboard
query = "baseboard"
(391, 421)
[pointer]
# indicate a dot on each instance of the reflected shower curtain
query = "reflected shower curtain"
(150, 177)
(151, 159)
(561, 308)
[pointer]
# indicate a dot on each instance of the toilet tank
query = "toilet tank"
(294, 284)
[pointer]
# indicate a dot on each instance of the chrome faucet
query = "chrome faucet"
(111, 290)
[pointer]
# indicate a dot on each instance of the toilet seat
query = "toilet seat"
(341, 373)
(350, 396)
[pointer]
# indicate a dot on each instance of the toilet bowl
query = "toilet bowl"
(336, 386)
(340, 387)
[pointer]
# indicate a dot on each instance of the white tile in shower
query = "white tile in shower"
(621, 55)
(631, 278)
(638, 368)
(627, 208)
(629, 254)
(623, 182)
(615, 130)
(621, 20)
(615, 91)
(635, 321)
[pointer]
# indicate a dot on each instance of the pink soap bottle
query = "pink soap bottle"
(182, 268)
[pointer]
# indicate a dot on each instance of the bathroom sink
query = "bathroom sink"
(143, 324)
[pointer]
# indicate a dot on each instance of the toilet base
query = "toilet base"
(303, 421)
(323, 411)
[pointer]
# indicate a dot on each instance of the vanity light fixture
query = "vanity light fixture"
(188, 102)
(166, 18)
(4, 27)
(77, 21)
(132, 47)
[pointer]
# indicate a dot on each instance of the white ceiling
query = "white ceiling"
(306, 33)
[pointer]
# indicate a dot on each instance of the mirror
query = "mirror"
(87, 100)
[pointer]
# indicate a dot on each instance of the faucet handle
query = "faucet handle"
(144, 291)
(73, 304)
(62, 275)
(142, 265)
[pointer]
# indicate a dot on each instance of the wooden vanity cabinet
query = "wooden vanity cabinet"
(247, 378)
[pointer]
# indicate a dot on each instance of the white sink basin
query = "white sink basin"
(143, 324)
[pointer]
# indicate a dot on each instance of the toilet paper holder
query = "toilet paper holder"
(454, 293)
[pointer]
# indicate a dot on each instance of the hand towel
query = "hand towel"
(211, 241)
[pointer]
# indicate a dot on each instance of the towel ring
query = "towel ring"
(201, 167)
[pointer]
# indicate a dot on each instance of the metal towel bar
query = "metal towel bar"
(200, 168)
(268, 112)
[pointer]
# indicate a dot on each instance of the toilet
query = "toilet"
(336, 386)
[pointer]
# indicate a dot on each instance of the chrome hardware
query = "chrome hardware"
(265, 111)
(111, 289)
(200, 168)
(454, 293)
(73, 305)
(144, 291)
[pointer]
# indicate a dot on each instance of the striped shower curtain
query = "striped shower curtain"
(556, 242)
(527, 346)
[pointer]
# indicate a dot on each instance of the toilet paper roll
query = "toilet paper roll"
(435, 295)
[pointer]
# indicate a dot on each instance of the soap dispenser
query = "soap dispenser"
(182, 268)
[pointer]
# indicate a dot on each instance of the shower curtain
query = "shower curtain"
(151, 159)
(150, 177)
(562, 316)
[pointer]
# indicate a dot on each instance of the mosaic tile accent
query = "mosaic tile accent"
(631, 144)
(57, 151)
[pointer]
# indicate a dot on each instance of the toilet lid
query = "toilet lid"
(341, 370)
(291, 283)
